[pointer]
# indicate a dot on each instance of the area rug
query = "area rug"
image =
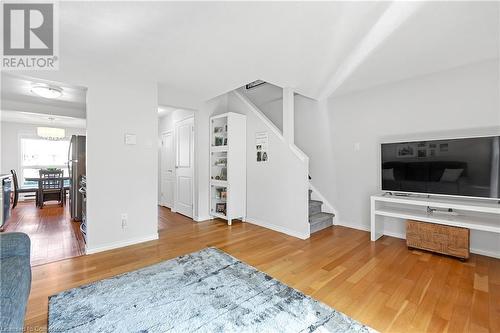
(205, 291)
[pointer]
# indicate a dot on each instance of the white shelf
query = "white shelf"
(477, 215)
(234, 155)
(218, 182)
(483, 223)
(219, 215)
(216, 149)
(483, 206)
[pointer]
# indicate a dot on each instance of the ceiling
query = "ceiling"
(42, 119)
(17, 96)
(198, 50)
(440, 36)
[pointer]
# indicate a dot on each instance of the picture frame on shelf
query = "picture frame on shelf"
(218, 141)
(220, 208)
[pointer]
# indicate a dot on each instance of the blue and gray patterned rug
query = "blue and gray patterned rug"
(205, 291)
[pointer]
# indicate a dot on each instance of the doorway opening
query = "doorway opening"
(176, 160)
(43, 152)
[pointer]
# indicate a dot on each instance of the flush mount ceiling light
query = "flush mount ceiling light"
(46, 91)
(51, 133)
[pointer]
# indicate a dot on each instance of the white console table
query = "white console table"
(480, 215)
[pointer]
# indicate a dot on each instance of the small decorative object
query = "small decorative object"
(223, 194)
(218, 141)
(223, 174)
(221, 163)
(225, 142)
(217, 177)
(218, 129)
(220, 207)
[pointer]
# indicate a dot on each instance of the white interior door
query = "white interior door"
(184, 168)
(167, 169)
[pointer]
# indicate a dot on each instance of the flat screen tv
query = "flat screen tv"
(468, 167)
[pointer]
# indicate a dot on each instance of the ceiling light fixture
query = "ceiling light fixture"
(46, 91)
(51, 133)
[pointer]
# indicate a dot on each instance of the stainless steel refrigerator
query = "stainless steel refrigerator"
(76, 169)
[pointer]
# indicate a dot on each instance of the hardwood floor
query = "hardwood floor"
(53, 235)
(381, 284)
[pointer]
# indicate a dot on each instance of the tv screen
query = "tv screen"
(460, 167)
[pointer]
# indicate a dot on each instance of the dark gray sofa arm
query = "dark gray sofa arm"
(14, 244)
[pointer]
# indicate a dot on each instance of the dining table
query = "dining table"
(39, 180)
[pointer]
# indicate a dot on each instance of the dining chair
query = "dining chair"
(51, 186)
(22, 189)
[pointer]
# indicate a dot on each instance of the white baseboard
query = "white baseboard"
(202, 218)
(395, 234)
(278, 228)
(485, 253)
(356, 226)
(116, 245)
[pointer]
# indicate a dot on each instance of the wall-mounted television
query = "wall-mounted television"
(468, 167)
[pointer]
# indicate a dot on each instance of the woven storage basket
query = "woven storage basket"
(444, 239)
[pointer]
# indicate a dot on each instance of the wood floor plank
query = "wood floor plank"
(53, 235)
(381, 284)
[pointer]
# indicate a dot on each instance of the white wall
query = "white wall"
(313, 135)
(10, 148)
(460, 102)
(121, 178)
(269, 99)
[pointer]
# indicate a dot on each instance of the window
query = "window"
(40, 154)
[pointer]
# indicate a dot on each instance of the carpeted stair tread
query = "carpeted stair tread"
(314, 207)
(320, 217)
(315, 203)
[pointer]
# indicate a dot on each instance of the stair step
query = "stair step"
(315, 203)
(320, 221)
(314, 207)
(319, 217)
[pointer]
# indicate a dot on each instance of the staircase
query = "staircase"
(318, 220)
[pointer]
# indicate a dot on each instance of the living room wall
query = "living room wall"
(460, 102)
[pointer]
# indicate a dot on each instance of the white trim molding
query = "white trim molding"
(119, 244)
(284, 230)
(202, 218)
